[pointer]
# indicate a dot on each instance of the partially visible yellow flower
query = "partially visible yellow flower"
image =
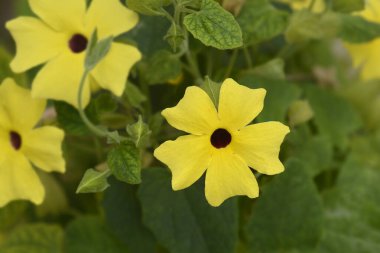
(221, 142)
(21, 145)
(318, 7)
(60, 39)
(367, 55)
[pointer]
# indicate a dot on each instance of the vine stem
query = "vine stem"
(96, 130)
(192, 62)
(231, 63)
(247, 57)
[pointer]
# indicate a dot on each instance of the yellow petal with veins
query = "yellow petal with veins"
(187, 158)
(259, 145)
(238, 104)
(195, 113)
(112, 72)
(18, 180)
(22, 111)
(59, 79)
(42, 147)
(36, 43)
(110, 17)
(67, 15)
(228, 175)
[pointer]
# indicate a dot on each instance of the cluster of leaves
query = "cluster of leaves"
(325, 201)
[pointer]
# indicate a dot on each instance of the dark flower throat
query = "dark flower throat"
(220, 138)
(78, 43)
(15, 139)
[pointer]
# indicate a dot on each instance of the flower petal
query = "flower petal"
(187, 158)
(42, 147)
(36, 43)
(22, 110)
(65, 15)
(110, 17)
(239, 105)
(228, 175)
(59, 79)
(18, 180)
(112, 72)
(259, 145)
(195, 113)
(365, 56)
(5, 145)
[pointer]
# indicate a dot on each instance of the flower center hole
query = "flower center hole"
(78, 43)
(15, 139)
(221, 138)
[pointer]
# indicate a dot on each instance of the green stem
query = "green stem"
(311, 5)
(147, 104)
(190, 59)
(247, 57)
(231, 63)
(96, 130)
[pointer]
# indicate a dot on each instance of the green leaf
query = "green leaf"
(273, 69)
(147, 7)
(36, 238)
(260, 21)
(280, 95)
(124, 162)
(97, 51)
(55, 201)
(214, 26)
(150, 27)
(11, 214)
(305, 26)
(69, 119)
(134, 96)
(288, 215)
(348, 5)
(300, 112)
(90, 235)
(175, 36)
(317, 151)
(334, 116)
(162, 67)
(124, 216)
(183, 222)
(212, 89)
(352, 211)
(104, 102)
(94, 181)
(356, 29)
(139, 132)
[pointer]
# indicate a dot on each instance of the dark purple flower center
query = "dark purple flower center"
(78, 43)
(220, 138)
(15, 139)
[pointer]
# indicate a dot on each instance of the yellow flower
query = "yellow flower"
(60, 40)
(21, 145)
(221, 142)
(318, 7)
(366, 55)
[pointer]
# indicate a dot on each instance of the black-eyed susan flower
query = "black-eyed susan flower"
(60, 38)
(21, 145)
(221, 142)
(366, 55)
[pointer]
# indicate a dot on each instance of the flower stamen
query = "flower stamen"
(78, 43)
(15, 139)
(220, 138)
